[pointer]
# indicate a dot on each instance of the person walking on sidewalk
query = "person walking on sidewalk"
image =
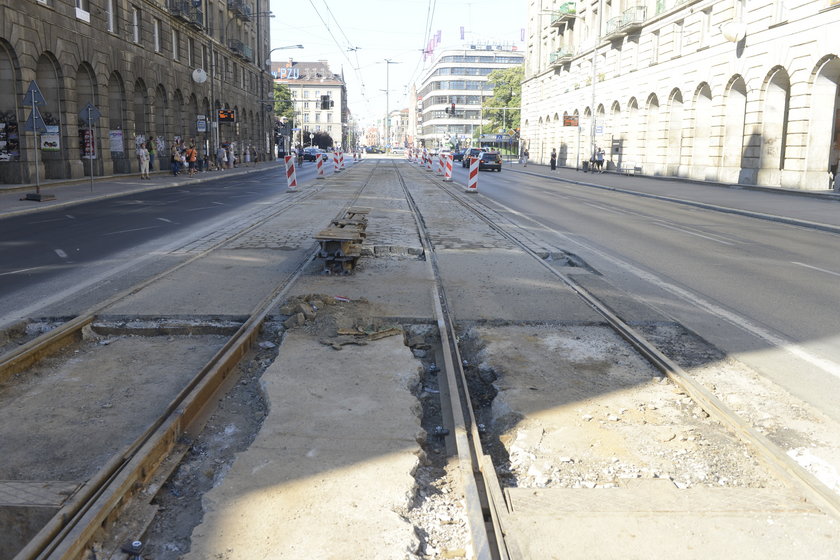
(150, 146)
(525, 158)
(174, 158)
(553, 159)
(143, 158)
(599, 159)
(221, 158)
(192, 157)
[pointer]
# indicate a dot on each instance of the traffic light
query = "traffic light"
(452, 110)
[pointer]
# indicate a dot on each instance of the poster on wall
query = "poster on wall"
(87, 143)
(160, 142)
(115, 139)
(51, 140)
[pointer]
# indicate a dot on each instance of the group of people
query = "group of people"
(596, 161)
(183, 156)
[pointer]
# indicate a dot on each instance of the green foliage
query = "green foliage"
(507, 92)
(283, 106)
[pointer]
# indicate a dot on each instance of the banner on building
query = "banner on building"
(115, 141)
(51, 139)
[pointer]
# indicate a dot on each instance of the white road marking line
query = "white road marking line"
(817, 268)
(129, 230)
(688, 232)
(165, 220)
(828, 366)
(60, 253)
(22, 270)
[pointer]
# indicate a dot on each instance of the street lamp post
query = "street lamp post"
(388, 63)
(267, 62)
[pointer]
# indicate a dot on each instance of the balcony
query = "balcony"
(241, 50)
(630, 21)
(240, 9)
(559, 58)
(179, 8)
(566, 13)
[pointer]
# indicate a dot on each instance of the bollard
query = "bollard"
(447, 167)
(335, 162)
(472, 181)
(439, 165)
(319, 164)
(341, 160)
(428, 161)
(291, 177)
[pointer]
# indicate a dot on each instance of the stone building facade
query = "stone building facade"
(730, 91)
(308, 82)
(155, 70)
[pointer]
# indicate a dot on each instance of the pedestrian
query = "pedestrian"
(525, 158)
(192, 158)
(150, 147)
(174, 158)
(221, 158)
(143, 157)
(599, 159)
(553, 159)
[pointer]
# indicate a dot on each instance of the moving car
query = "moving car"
(458, 155)
(490, 160)
(310, 154)
(469, 153)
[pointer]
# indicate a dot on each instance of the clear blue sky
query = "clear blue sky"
(360, 35)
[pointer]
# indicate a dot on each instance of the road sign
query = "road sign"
(89, 114)
(35, 122)
(33, 95)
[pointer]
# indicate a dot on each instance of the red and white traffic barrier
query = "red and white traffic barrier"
(319, 164)
(439, 170)
(472, 181)
(291, 177)
(428, 161)
(447, 167)
(335, 162)
(341, 160)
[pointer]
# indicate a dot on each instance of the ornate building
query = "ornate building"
(309, 82)
(153, 69)
(730, 91)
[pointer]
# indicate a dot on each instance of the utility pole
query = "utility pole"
(388, 62)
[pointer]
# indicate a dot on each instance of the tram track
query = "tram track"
(96, 502)
(489, 531)
(494, 508)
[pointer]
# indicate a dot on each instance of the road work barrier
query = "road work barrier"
(319, 164)
(341, 160)
(472, 181)
(291, 177)
(335, 163)
(447, 167)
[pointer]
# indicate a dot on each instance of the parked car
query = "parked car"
(458, 155)
(490, 160)
(398, 150)
(469, 153)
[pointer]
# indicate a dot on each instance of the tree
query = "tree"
(283, 105)
(507, 93)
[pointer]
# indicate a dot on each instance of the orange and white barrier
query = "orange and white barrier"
(428, 161)
(341, 160)
(319, 164)
(472, 181)
(447, 167)
(335, 163)
(291, 177)
(439, 170)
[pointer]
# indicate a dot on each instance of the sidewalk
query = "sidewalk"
(74, 191)
(812, 208)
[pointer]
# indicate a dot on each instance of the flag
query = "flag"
(462, 32)
(522, 34)
(437, 38)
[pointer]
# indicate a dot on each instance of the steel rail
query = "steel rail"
(779, 462)
(69, 532)
(481, 487)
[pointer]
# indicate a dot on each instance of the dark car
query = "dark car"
(310, 154)
(469, 153)
(490, 160)
(458, 155)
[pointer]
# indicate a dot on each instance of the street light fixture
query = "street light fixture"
(268, 60)
(388, 63)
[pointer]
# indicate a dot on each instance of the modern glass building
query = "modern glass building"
(451, 94)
